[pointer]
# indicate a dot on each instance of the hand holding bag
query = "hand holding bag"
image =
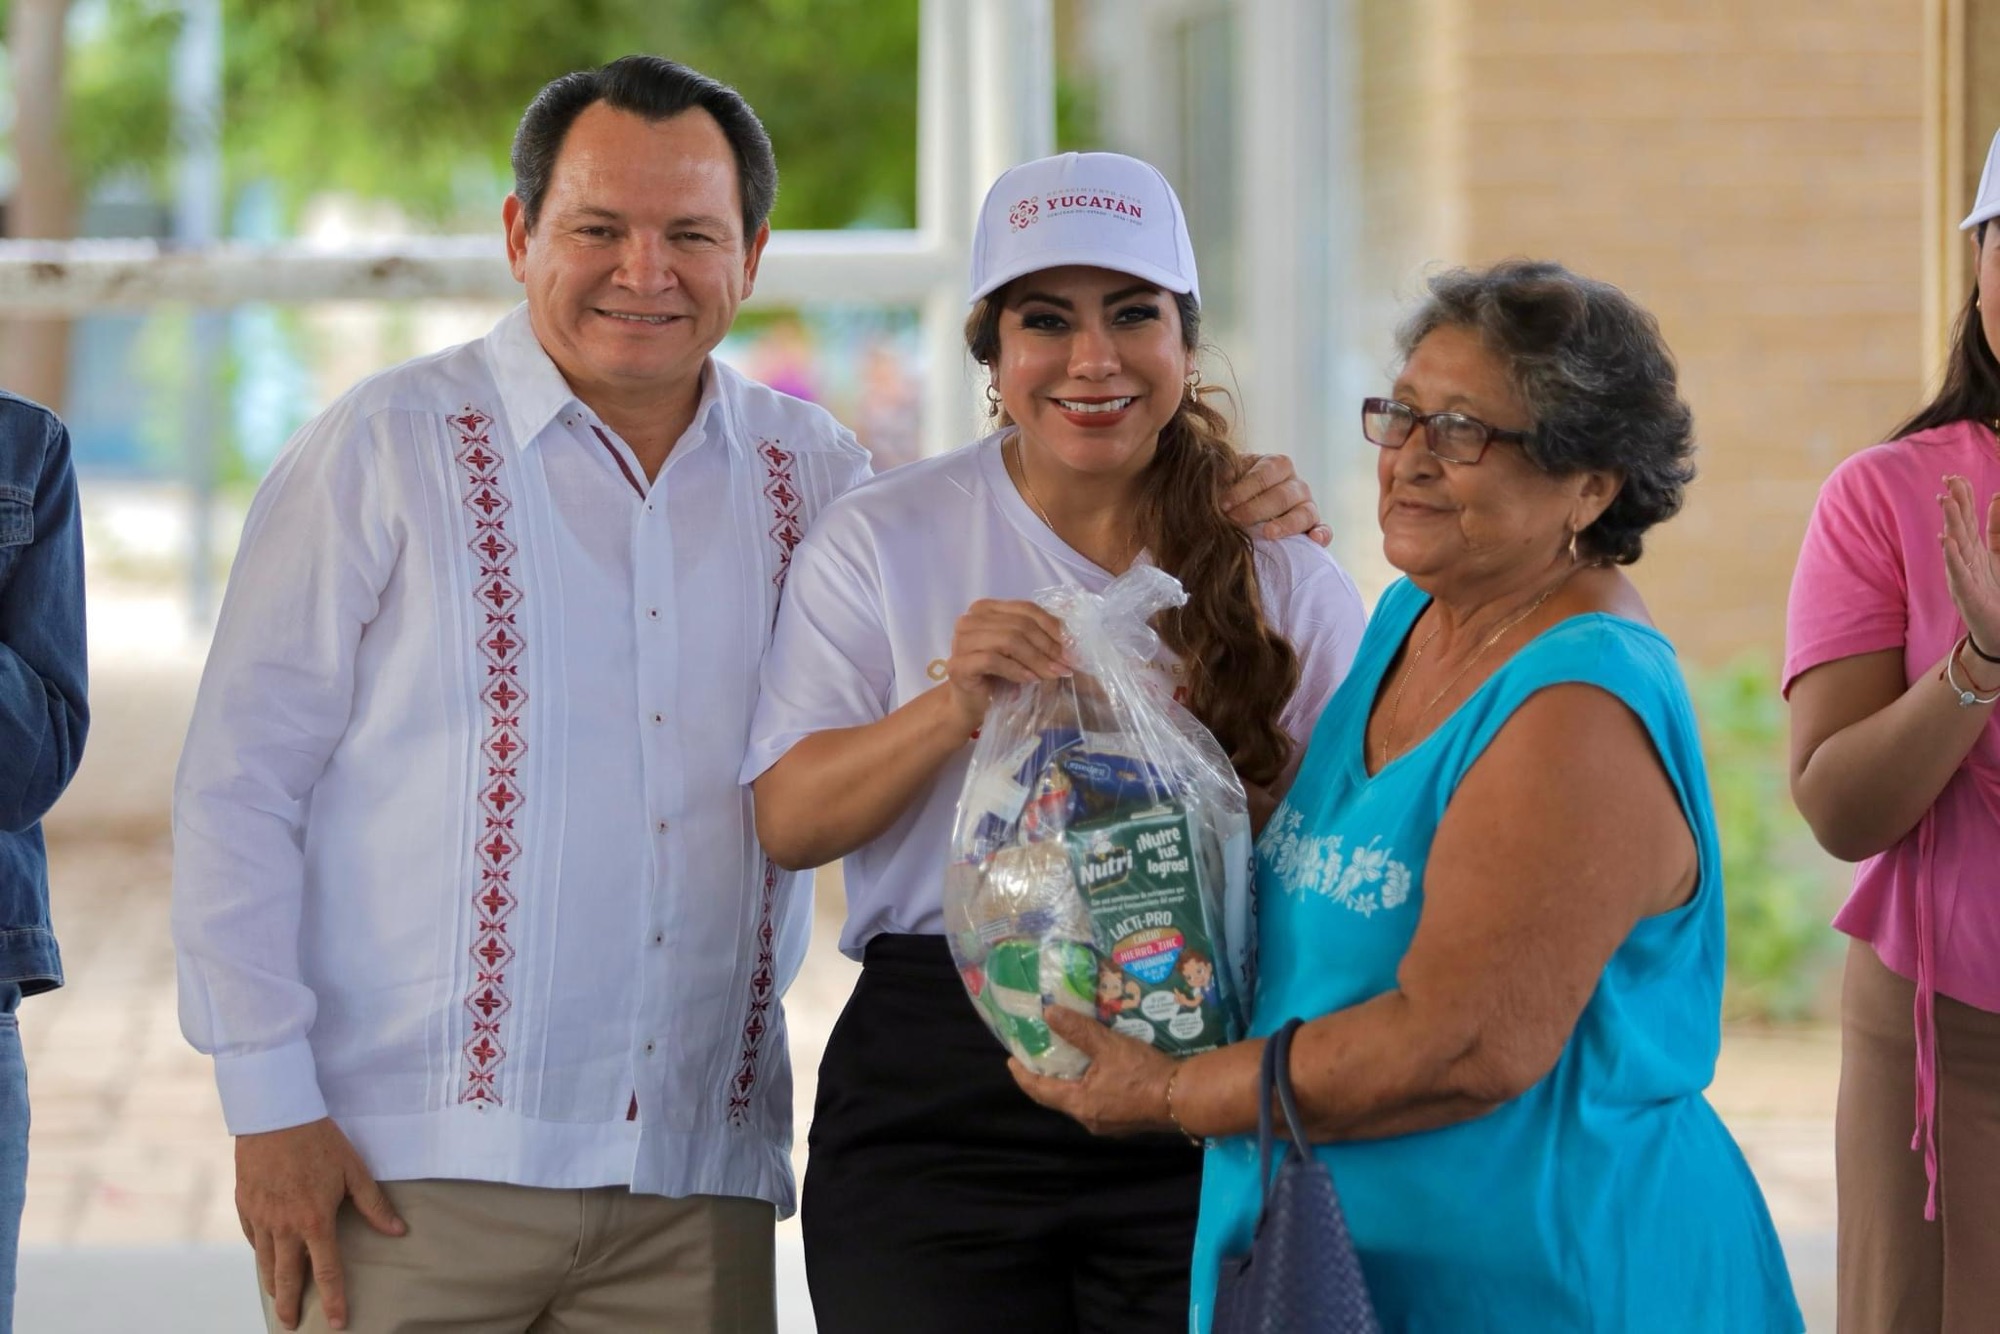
(1300, 1275)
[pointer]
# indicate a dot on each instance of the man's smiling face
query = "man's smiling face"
(637, 262)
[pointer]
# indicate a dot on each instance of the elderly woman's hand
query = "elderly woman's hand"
(1123, 1093)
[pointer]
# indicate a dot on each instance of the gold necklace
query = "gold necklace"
(1028, 487)
(1387, 746)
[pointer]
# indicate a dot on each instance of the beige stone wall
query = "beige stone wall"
(1751, 172)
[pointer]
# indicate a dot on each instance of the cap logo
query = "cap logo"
(1022, 214)
(1093, 201)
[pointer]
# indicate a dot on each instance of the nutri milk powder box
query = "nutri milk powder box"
(1156, 971)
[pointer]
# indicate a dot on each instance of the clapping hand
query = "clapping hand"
(1972, 562)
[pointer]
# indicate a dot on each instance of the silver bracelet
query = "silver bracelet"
(1966, 698)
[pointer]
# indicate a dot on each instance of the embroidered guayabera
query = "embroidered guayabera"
(496, 598)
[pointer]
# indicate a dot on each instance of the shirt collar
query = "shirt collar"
(533, 392)
(711, 394)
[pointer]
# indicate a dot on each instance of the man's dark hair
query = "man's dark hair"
(654, 88)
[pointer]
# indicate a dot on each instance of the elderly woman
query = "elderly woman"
(1494, 888)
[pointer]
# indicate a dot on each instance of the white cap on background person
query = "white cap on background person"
(1986, 205)
(1104, 210)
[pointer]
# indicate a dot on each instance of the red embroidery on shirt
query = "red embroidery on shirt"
(787, 527)
(763, 995)
(496, 597)
(781, 489)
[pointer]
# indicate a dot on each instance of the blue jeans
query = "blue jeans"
(13, 1146)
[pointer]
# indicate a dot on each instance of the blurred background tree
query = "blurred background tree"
(413, 102)
(34, 354)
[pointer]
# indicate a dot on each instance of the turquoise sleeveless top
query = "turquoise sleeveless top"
(1608, 1196)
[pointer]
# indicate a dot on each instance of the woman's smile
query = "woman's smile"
(1095, 413)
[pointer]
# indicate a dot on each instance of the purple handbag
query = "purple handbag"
(1300, 1275)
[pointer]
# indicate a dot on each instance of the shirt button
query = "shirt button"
(652, 613)
(649, 1049)
(660, 826)
(659, 718)
(649, 507)
(659, 937)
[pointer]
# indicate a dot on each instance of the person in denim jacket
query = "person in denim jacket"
(43, 718)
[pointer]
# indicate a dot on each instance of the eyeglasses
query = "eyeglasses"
(1451, 436)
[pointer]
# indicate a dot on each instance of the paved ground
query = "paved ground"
(129, 1221)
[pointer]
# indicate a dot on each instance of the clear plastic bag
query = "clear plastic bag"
(1100, 859)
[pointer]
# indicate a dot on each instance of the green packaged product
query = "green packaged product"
(1157, 977)
(1018, 978)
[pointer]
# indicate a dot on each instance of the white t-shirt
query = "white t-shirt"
(866, 623)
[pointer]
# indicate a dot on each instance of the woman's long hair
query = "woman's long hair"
(1239, 672)
(1971, 387)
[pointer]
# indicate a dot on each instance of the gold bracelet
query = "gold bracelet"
(1174, 1116)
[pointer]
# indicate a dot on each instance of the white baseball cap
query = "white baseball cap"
(1105, 210)
(1986, 206)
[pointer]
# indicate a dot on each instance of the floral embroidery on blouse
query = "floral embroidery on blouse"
(1365, 879)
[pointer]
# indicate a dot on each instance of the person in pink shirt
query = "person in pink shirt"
(1892, 670)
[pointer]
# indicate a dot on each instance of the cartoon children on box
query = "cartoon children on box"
(1116, 993)
(1196, 984)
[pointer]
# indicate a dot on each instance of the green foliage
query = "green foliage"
(835, 82)
(415, 101)
(1076, 112)
(117, 84)
(1774, 877)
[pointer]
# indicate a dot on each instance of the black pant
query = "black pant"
(939, 1197)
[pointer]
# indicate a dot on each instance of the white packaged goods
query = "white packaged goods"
(1100, 859)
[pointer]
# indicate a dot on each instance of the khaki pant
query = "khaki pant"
(1897, 1273)
(485, 1258)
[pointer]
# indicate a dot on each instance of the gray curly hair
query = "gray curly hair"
(1597, 378)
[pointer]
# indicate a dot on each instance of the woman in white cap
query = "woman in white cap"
(938, 1196)
(1892, 669)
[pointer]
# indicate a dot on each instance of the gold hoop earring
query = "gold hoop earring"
(1194, 387)
(1572, 546)
(992, 399)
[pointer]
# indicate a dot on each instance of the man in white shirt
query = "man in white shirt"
(468, 900)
